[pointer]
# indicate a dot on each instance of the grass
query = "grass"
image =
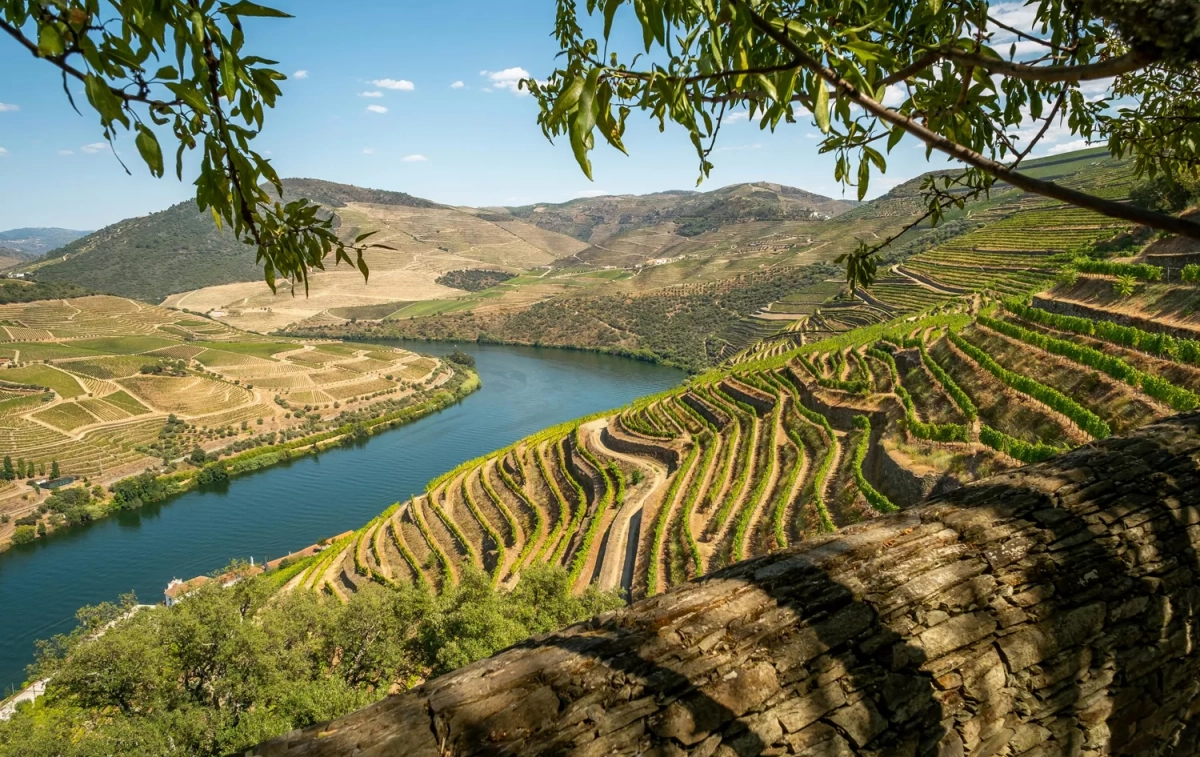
(43, 375)
(68, 416)
(432, 307)
(126, 403)
(254, 349)
(124, 345)
(37, 351)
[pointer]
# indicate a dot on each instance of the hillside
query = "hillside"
(722, 291)
(595, 219)
(179, 250)
(102, 388)
(781, 448)
(38, 241)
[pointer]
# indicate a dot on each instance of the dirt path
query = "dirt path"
(830, 489)
(616, 541)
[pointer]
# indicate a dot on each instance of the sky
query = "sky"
(405, 96)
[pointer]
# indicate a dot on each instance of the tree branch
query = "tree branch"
(920, 64)
(1122, 64)
(966, 155)
(69, 70)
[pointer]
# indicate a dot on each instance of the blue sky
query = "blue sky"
(414, 97)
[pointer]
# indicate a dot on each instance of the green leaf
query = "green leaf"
(894, 138)
(50, 41)
(147, 145)
(610, 10)
(245, 8)
(821, 107)
(166, 72)
(864, 178)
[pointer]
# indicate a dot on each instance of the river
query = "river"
(275, 511)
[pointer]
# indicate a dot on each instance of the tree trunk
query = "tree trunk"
(1051, 610)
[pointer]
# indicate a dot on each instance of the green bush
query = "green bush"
(24, 534)
(1191, 273)
(1139, 271)
(1125, 285)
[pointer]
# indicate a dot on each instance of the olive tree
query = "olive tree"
(180, 67)
(869, 72)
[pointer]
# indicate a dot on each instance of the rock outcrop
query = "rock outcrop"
(1048, 611)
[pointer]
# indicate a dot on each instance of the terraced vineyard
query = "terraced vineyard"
(90, 382)
(785, 446)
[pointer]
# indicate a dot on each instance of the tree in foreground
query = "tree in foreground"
(950, 73)
(867, 72)
(178, 70)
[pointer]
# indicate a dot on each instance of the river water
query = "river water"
(272, 512)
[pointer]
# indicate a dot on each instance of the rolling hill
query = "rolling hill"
(38, 241)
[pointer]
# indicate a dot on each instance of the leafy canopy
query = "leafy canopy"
(179, 68)
(952, 73)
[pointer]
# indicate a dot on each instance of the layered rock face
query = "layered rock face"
(1048, 611)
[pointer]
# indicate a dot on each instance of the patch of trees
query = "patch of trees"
(670, 326)
(18, 291)
(474, 279)
(229, 667)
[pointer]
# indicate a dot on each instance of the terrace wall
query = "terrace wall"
(1049, 611)
(1096, 314)
(760, 401)
(614, 439)
(711, 414)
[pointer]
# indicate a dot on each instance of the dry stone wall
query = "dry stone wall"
(1048, 611)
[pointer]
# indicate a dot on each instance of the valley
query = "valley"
(1018, 330)
(99, 389)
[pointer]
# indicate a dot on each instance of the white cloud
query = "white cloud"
(415, 159)
(457, 85)
(376, 109)
(737, 115)
(66, 152)
(3, 152)
(1075, 144)
(1017, 15)
(368, 151)
(811, 135)
(373, 93)
(894, 96)
(403, 85)
(94, 148)
(8, 107)
(301, 74)
(507, 79)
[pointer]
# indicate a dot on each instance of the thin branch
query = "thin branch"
(918, 65)
(1122, 64)
(1030, 37)
(69, 70)
(966, 155)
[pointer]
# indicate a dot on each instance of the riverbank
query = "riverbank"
(146, 488)
(351, 335)
(272, 512)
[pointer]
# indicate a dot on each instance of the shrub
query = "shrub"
(24, 535)
(1067, 275)
(1139, 271)
(1191, 273)
(1125, 285)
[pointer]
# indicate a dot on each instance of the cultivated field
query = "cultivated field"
(790, 443)
(90, 382)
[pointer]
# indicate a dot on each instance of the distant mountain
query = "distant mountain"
(37, 241)
(180, 248)
(595, 219)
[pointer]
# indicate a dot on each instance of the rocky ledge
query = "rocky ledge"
(1048, 611)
